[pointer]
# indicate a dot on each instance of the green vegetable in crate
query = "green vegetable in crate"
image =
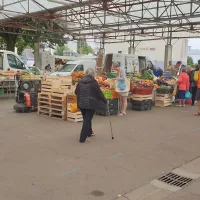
(147, 75)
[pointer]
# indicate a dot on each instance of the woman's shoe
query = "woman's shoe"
(121, 114)
(93, 134)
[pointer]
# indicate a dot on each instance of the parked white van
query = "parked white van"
(11, 61)
(78, 65)
(128, 62)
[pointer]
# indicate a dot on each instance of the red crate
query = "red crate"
(143, 91)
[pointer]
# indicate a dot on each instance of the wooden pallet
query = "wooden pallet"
(141, 97)
(46, 95)
(44, 99)
(43, 102)
(74, 117)
(71, 99)
(59, 91)
(56, 113)
(57, 99)
(44, 110)
(52, 112)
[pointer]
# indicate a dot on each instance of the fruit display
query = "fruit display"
(143, 83)
(7, 75)
(77, 76)
(32, 71)
(166, 82)
(103, 82)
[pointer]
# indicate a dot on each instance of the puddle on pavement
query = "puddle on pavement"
(97, 193)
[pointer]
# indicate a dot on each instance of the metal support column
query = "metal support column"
(100, 57)
(132, 48)
(168, 51)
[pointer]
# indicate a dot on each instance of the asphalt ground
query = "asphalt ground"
(41, 158)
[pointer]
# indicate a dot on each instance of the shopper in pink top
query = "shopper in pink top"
(184, 85)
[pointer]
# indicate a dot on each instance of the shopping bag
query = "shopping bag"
(74, 108)
(187, 96)
(122, 86)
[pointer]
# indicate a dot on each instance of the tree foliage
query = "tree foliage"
(85, 50)
(16, 37)
(59, 50)
(190, 61)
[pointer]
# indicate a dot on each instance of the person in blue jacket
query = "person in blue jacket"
(155, 72)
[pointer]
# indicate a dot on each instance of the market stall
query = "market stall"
(7, 83)
(57, 98)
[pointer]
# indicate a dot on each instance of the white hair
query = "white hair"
(90, 72)
(116, 64)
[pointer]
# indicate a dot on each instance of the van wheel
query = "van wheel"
(25, 86)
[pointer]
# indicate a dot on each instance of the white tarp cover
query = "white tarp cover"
(151, 19)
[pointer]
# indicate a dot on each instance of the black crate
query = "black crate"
(113, 108)
(105, 112)
(113, 103)
(141, 105)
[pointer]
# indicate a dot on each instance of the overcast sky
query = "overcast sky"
(194, 43)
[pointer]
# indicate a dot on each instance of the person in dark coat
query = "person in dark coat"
(193, 85)
(160, 72)
(89, 99)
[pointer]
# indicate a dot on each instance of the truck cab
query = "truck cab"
(129, 62)
(77, 65)
(11, 61)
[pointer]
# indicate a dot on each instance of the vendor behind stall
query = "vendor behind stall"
(174, 69)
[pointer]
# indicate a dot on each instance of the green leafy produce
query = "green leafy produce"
(147, 75)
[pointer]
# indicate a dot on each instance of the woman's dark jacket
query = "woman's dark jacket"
(89, 94)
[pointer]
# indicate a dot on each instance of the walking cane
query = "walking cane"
(111, 131)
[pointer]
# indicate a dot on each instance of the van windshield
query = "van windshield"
(67, 68)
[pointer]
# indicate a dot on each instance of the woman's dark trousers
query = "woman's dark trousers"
(87, 124)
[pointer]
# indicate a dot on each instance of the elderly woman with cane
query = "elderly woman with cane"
(89, 99)
(121, 76)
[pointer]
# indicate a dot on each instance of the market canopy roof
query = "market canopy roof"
(114, 20)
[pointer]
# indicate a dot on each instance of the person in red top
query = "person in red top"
(184, 85)
(198, 91)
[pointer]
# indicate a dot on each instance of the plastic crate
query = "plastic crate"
(113, 108)
(141, 105)
(1, 91)
(105, 112)
(108, 94)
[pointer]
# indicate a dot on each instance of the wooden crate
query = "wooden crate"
(138, 97)
(163, 100)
